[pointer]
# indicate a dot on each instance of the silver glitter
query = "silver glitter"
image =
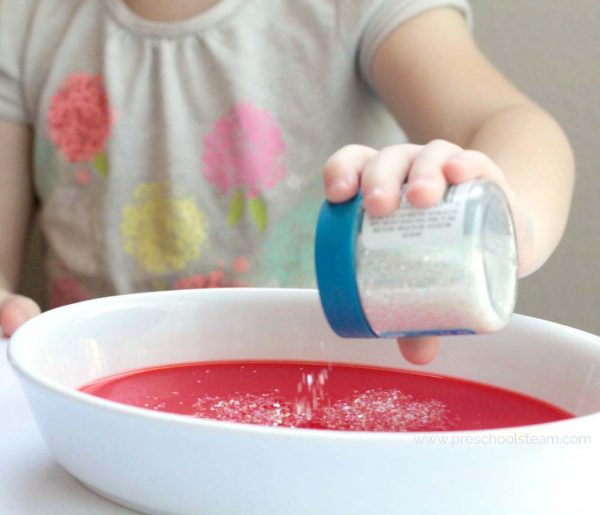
(450, 268)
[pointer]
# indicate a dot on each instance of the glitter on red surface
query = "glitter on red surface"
(387, 410)
(373, 410)
(321, 396)
(266, 409)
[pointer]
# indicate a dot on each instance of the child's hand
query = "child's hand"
(15, 310)
(427, 169)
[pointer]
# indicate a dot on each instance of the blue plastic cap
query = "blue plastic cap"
(335, 245)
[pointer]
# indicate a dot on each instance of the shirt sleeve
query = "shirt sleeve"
(14, 21)
(366, 23)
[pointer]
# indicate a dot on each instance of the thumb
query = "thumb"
(419, 350)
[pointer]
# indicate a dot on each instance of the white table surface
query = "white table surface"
(31, 482)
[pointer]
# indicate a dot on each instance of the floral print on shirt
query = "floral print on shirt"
(163, 232)
(243, 157)
(80, 119)
(66, 290)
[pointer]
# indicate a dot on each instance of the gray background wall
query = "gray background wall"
(551, 50)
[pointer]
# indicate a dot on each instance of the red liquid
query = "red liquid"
(313, 395)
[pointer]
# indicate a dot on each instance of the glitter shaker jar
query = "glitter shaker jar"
(448, 269)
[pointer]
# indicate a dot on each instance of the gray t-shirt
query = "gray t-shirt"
(190, 154)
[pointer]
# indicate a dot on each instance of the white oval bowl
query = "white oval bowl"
(162, 463)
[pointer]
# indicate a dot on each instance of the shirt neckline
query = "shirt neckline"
(135, 23)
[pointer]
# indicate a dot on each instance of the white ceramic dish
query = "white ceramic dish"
(162, 463)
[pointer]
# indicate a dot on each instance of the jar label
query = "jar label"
(409, 226)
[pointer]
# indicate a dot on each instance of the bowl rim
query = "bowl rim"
(76, 396)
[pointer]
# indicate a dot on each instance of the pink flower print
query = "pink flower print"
(244, 154)
(66, 290)
(192, 282)
(83, 177)
(214, 279)
(79, 119)
(241, 265)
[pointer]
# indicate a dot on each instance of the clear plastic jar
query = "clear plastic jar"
(448, 269)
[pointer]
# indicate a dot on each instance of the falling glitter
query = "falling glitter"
(310, 393)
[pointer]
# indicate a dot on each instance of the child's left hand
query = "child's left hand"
(427, 170)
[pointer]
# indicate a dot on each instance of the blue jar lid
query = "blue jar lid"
(335, 244)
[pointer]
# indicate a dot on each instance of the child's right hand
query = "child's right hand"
(15, 310)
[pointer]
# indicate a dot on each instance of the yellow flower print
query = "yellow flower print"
(163, 232)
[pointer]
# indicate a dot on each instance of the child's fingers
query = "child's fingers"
(342, 171)
(15, 310)
(426, 181)
(471, 164)
(421, 350)
(383, 176)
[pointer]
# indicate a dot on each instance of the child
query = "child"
(181, 144)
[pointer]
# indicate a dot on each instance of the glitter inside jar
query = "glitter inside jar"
(448, 269)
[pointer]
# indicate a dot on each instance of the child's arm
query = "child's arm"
(16, 202)
(441, 89)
